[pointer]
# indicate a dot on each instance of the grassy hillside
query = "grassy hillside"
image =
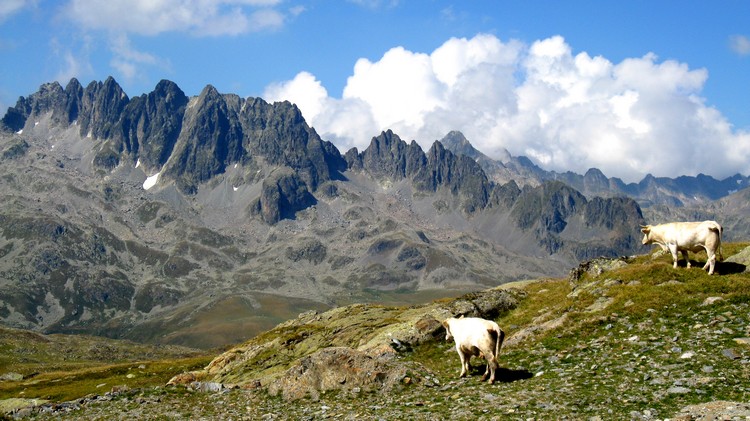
(620, 339)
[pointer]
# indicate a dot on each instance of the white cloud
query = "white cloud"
(202, 18)
(568, 112)
(375, 4)
(304, 90)
(9, 7)
(128, 61)
(198, 17)
(740, 44)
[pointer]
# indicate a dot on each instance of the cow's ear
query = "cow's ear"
(645, 229)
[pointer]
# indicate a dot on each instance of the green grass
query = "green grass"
(653, 338)
(74, 382)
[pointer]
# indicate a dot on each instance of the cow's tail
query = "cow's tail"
(499, 342)
(720, 231)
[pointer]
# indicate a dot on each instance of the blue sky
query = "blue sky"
(630, 87)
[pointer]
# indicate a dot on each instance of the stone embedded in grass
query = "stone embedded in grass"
(11, 376)
(710, 300)
(731, 354)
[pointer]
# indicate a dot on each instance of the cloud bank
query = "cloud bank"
(565, 111)
(120, 19)
(197, 17)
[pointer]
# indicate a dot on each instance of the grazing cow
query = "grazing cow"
(475, 337)
(684, 237)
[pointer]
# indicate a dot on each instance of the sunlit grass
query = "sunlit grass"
(76, 382)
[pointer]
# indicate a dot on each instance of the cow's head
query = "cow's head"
(646, 230)
(446, 325)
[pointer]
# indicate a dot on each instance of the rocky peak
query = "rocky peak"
(101, 106)
(210, 139)
(460, 174)
(391, 158)
(279, 133)
(595, 181)
(64, 104)
(150, 125)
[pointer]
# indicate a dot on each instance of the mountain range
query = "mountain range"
(203, 220)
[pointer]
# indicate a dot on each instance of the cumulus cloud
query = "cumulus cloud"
(566, 111)
(198, 17)
(740, 44)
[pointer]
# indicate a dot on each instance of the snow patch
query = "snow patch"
(151, 181)
(235, 165)
(235, 188)
(138, 163)
(20, 131)
(36, 123)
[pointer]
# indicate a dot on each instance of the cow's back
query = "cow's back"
(692, 236)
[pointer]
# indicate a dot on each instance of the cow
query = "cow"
(475, 337)
(686, 236)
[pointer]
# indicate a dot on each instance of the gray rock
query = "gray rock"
(11, 376)
(731, 354)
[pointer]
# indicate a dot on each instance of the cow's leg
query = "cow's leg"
(710, 262)
(464, 362)
(492, 366)
(673, 250)
(493, 371)
(687, 260)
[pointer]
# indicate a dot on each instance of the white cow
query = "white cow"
(684, 237)
(475, 337)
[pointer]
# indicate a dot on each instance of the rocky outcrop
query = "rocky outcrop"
(350, 349)
(283, 194)
(344, 369)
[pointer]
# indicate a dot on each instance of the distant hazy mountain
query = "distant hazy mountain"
(680, 191)
(204, 220)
